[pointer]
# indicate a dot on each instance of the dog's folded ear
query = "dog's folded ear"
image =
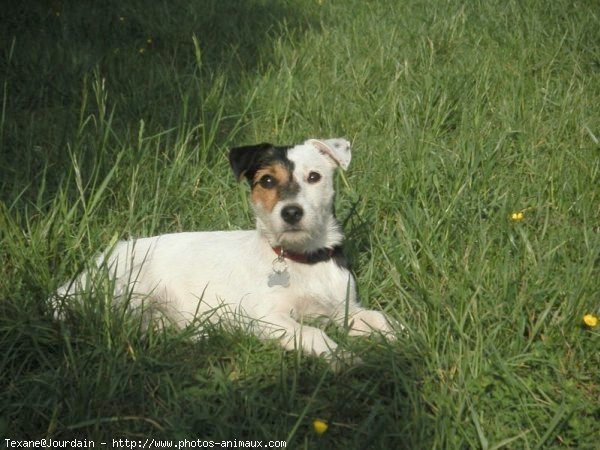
(338, 149)
(243, 159)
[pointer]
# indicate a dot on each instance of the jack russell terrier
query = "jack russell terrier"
(269, 279)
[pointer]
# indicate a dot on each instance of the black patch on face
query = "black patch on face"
(288, 190)
(246, 160)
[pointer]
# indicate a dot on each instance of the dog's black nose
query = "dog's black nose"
(292, 214)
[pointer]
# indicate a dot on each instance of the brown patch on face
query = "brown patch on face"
(268, 195)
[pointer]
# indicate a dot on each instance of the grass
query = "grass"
(115, 120)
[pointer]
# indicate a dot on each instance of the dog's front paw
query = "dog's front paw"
(366, 322)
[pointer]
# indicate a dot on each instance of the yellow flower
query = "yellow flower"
(517, 216)
(590, 320)
(320, 426)
(142, 50)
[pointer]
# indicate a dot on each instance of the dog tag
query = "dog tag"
(280, 275)
(279, 279)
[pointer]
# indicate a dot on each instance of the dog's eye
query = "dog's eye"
(267, 182)
(314, 177)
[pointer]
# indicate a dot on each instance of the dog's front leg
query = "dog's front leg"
(364, 322)
(294, 336)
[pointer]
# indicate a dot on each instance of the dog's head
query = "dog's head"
(292, 190)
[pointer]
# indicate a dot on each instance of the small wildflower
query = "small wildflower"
(517, 216)
(149, 41)
(121, 19)
(142, 50)
(590, 320)
(320, 426)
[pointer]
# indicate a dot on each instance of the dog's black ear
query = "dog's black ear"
(245, 160)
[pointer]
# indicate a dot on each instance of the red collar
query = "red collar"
(320, 255)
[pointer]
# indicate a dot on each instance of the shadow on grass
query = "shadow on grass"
(143, 50)
(168, 387)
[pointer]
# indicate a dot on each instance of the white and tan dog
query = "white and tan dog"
(269, 279)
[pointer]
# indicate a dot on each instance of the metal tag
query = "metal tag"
(279, 279)
(280, 275)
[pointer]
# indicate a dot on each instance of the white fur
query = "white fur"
(224, 274)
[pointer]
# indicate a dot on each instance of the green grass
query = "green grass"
(115, 120)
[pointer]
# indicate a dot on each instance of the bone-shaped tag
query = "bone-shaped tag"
(279, 279)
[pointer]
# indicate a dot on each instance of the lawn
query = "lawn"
(471, 211)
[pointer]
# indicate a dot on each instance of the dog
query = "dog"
(269, 280)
